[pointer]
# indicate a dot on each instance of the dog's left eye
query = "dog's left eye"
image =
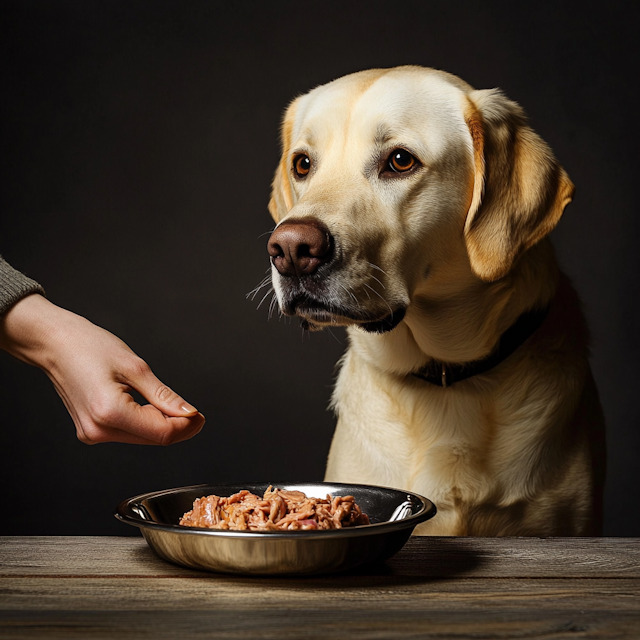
(401, 161)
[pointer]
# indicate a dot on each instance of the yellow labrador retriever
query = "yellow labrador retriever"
(414, 210)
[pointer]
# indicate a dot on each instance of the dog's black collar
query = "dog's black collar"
(444, 374)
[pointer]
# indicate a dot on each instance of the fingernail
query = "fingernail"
(187, 408)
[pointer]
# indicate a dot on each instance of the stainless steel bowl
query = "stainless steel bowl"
(393, 515)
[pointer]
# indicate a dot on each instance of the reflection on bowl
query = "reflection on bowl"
(393, 515)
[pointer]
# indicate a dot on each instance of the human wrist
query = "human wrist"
(29, 327)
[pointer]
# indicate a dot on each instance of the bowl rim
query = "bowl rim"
(125, 513)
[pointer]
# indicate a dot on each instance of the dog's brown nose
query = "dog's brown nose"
(299, 248)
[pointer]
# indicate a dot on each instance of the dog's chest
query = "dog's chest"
(409, 433)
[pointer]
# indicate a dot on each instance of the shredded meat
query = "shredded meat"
(276, 510)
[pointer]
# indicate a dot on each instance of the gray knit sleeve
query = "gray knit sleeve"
(14, 286)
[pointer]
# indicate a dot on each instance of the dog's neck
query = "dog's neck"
(464, 325)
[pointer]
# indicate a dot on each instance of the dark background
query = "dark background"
(138, 144)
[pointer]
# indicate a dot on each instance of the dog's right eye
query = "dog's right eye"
(302, 165)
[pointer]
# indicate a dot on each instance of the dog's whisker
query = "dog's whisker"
(254, 293)
(265, 297)
(349, 293)
(273, 305)
(265, 233)
(379, 296)
(375, 266)
(355, 297)
(265, 281)
(378, 281)
(262, 282)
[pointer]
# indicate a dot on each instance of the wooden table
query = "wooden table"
(99, 587)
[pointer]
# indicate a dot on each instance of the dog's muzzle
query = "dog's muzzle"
(304, 255)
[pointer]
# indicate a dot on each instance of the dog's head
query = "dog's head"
(402, 182)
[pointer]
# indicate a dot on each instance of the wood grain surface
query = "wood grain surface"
(80, 587)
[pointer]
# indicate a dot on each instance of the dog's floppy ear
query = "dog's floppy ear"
(281, 193)
(520, 190)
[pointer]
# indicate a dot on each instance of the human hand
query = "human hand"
(93, 371)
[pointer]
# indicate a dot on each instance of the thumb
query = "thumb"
(161, 396)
